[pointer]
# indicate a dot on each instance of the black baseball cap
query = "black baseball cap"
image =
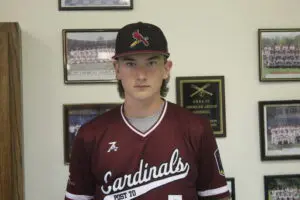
(140, 38)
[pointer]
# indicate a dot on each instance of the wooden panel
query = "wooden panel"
(5, 136)
(14, 44)
(10, 93)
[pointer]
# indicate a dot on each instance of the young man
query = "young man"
(147, 148)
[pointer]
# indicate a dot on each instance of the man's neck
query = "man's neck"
(142, 109)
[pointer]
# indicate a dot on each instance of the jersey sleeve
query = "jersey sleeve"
(81, 184)
(211, 180)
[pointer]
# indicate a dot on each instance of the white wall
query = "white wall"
(205, 38)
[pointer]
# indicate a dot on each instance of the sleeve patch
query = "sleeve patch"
(219, 162)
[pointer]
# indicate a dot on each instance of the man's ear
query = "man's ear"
(167, 67)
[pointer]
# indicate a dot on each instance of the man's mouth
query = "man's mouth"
(141, 86)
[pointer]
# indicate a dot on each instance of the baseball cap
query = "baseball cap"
(140, 38)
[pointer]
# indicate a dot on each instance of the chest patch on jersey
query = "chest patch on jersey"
(219, 162)
(174, 197)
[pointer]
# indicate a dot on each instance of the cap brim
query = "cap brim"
(140, 52)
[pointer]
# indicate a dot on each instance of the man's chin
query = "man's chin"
(144, 96)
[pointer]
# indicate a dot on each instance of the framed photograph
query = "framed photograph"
(279, 129)
(231, 186)
(204, 95)
(75, 115)
(87, 55)
(279, 54)
(68, 5)
(282, 187)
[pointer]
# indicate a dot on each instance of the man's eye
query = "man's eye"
(152, 63)
(130, 64)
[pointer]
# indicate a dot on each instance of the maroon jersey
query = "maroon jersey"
(176, 159)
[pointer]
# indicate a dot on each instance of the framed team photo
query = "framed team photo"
(279, 54)
(231, 186)
(75, 115)
(279, 129)
(68, 5)
(205, 96)
(87, 55)
(282, 187)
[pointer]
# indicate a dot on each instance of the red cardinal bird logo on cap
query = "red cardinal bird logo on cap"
(139, 38)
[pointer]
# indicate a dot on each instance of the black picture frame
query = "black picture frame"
(285, 186)
(87, 55)
(74, 116)
(231, 185)
(279, 127)
(90, 5)
(279, 54)
(204, 95)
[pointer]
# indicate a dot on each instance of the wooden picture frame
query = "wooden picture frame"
(75, 115)
(279, 54)
(279, 129)
(87, 55)
(89, 5)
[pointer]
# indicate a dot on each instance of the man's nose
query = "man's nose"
(141, 72)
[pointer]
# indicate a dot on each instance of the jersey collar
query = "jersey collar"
(144, 134)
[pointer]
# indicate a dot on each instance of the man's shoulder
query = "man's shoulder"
(190, 123)
(101, 122)
(184, 114)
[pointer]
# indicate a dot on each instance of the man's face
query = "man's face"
(142, 75)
